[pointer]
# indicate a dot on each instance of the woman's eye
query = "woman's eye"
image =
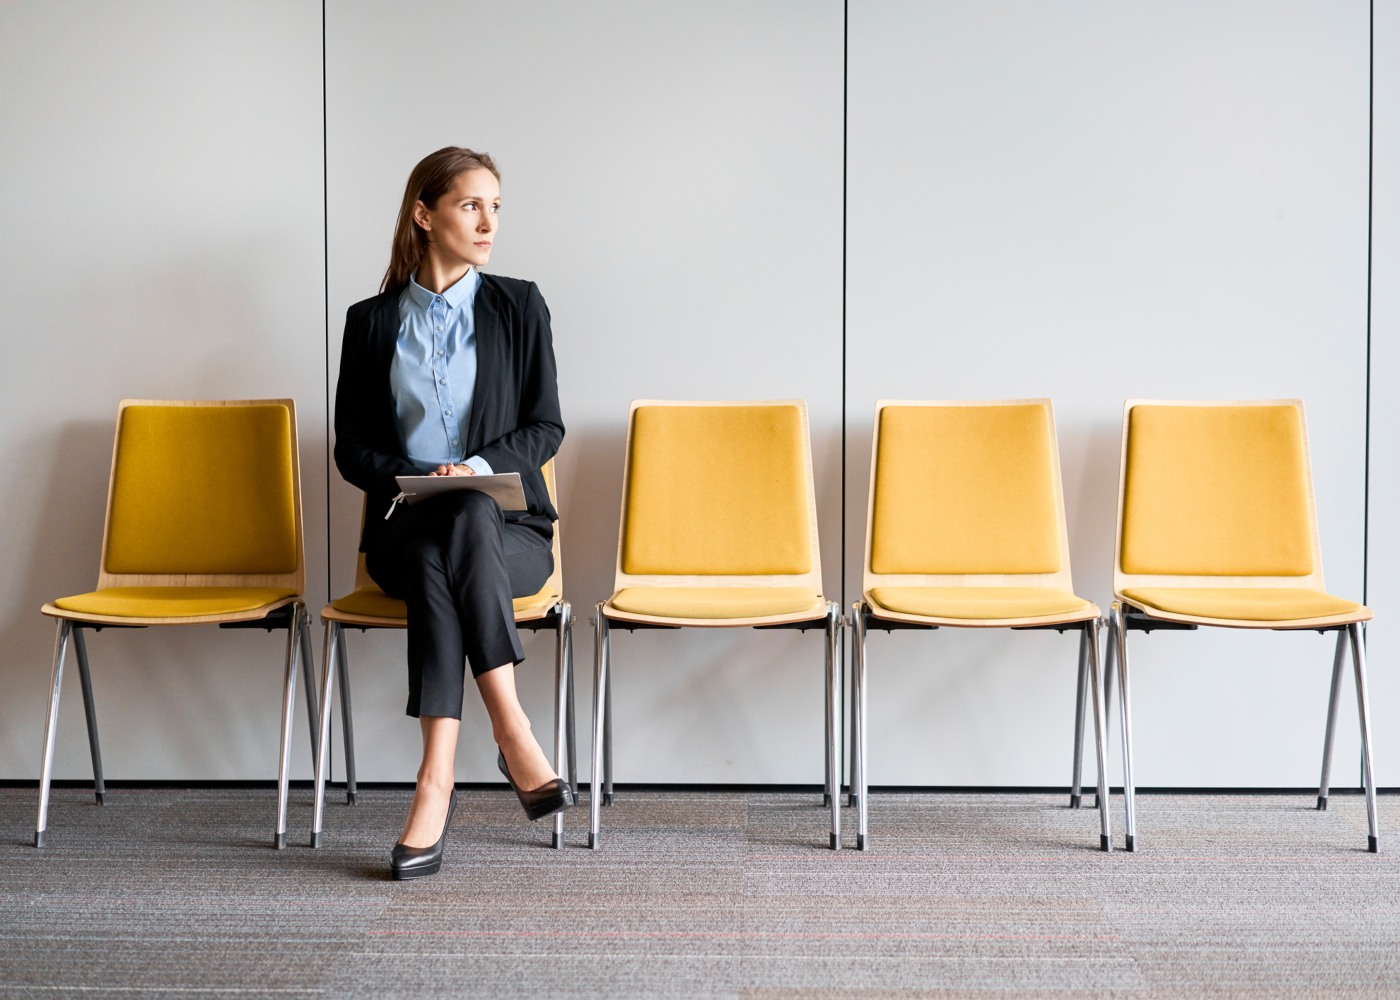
(495, 209)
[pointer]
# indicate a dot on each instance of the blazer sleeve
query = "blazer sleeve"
(363, 444)
(539, 426)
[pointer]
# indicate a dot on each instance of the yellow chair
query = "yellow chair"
(369, 607)
(965, 528)
(718, 530)
(1216, 526)
(203, 526)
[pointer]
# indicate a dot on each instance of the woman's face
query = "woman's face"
(462, 225)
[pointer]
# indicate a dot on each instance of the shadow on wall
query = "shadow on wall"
(67, 468)
(590, 503)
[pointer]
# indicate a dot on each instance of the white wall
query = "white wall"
(1384, 536)
(1083, 200)
(672, 180)
(161, 195)
(1092, 202)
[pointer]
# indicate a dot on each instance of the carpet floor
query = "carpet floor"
(699, 894)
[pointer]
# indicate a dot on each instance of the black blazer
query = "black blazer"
(514, 424)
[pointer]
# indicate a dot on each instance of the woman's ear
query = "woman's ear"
(422, 217)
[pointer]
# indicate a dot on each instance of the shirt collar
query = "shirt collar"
(463, 291)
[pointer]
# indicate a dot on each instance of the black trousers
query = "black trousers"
(457, 562)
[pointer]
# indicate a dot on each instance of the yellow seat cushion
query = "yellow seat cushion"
(965, 489)
(717, 490)
(979, 602)
(718, 602)
(1216, 491)
(1250, 604)
(172, 602)
(203, 490)
(371, 602)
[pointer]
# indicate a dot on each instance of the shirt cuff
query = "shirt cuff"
(479, 465)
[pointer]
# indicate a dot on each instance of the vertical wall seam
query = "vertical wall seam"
(845, 104)
(1370, 223)
(326, 286)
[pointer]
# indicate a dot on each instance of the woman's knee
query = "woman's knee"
(473, 511)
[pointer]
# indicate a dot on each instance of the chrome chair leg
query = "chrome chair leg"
(99, 786)
(1081, 693)
(1358, 659)
(829, 698)
(857, 636)
(1120, 636)
(60, 650)
(600, 680)
(569, 711)
(858, 719)
(607, 720)
(1091, 635)
(347, 728)
(328, 672)
(308, 678)
(1338, 661)
(289, 691)
(561, 691)
(833, 681)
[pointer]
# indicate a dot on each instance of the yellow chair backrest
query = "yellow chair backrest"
(204, 492)
(717, 492)
(965, 493)
(1216, 490)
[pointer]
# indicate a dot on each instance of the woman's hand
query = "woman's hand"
(453, 470)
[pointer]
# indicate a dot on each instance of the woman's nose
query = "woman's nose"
(486, 223)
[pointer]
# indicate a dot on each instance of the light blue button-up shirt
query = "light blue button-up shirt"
(433, 374)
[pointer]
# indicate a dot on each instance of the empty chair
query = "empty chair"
(719, 530)
(965, 528)
(203, 526)
(1216, 526)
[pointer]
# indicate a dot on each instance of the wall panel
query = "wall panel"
(161, 191)
(672, 180)
(1092, 202)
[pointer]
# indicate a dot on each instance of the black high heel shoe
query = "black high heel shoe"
(415, 862)
(550, 798)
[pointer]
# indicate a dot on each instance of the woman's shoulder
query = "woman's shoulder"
(366, 307)
(517, 291)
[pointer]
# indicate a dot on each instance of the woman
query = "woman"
(450, 372)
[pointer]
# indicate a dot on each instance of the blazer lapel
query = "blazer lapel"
(486, 318)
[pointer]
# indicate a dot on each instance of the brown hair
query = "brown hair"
(430, 180)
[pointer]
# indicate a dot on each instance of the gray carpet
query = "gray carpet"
(171, 893)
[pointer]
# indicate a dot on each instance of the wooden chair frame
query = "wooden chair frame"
(288, 613)
(554, 613)
(1086, 623)
(1127, 616)
(605, 615)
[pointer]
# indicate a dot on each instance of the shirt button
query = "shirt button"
(442, 381)
(447, 413)
(455, 442)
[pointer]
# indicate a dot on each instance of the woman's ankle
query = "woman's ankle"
(433, 780)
